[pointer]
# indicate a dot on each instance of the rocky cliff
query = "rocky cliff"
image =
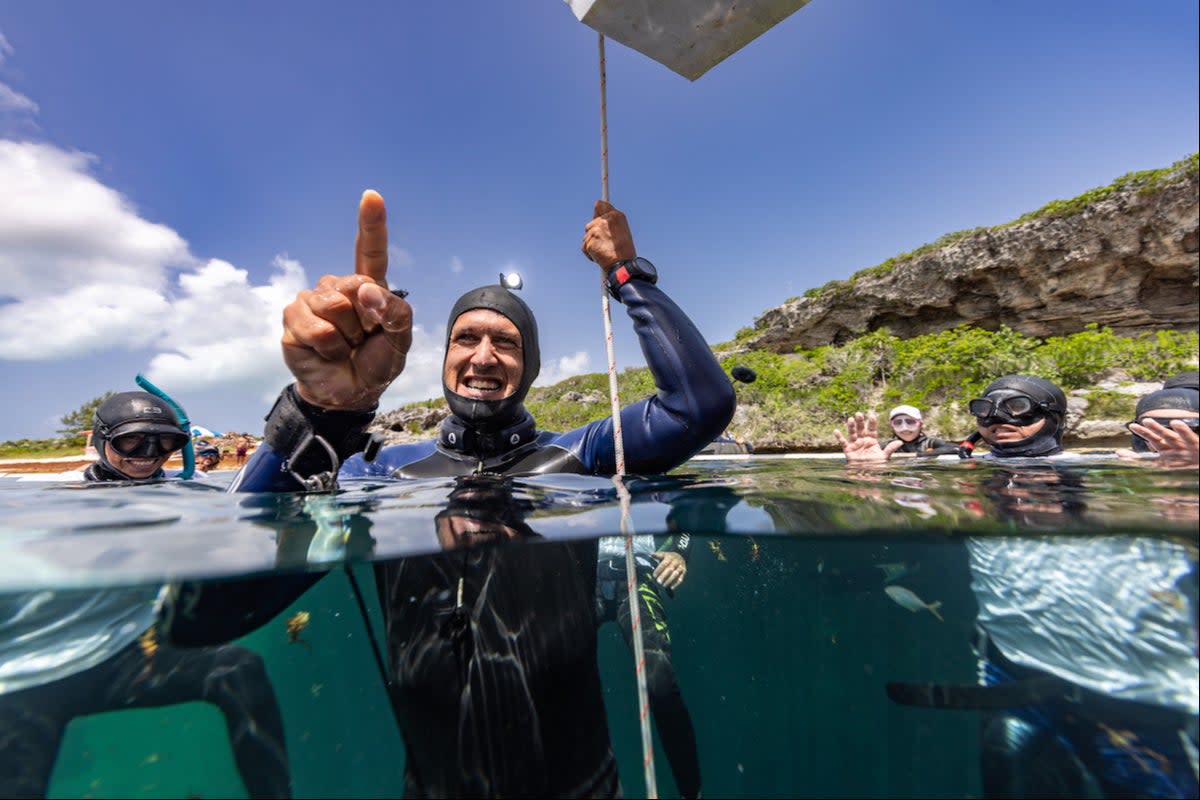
(1128, 260)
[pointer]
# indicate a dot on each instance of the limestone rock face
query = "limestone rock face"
(1130, 262)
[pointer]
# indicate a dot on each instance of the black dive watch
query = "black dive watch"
(623, 272)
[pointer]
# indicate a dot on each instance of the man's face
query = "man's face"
(456, 532)
(484, 359)
(906, 428)
(134, 467)
(1005, 433)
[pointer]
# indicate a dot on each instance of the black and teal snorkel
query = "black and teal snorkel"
(189, 452)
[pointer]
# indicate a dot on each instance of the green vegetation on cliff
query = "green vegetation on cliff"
(800, 398)
(1144, 182)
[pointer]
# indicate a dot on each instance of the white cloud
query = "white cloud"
(12, 100)
(81, 272)
(60, 228)
(6, 49)
(456, 264)
(399, 257)
(562, 369)
(225, 332)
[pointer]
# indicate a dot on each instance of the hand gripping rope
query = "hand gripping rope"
(639, 653)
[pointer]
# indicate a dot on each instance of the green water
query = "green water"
(783, 636)
(783, 673)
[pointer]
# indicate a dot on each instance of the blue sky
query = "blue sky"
(172, 174)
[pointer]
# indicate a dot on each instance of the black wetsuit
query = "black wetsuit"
(234, 679)
(671, 715)
(925, 445)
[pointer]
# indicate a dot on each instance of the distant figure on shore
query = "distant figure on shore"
(208, 456)
(243, 447)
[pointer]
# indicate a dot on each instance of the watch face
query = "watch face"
(645, 268)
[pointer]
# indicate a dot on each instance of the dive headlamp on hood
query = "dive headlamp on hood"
(490, 416)
(1023, 400)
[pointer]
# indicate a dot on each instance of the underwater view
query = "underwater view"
(830, 638)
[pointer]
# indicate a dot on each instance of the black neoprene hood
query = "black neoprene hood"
(496, 413)
(1177, 398)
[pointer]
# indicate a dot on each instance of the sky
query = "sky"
(172, 174)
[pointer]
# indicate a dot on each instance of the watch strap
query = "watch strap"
(624, 271)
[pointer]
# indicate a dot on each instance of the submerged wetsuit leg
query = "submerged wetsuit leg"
(666, 699)
(32, 722)
(232, 678)
(1019, 758)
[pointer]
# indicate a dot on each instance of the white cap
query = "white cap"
(912, 411)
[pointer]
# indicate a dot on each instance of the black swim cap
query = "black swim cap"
(1184, 380)
(495, 414)
(1178, 397)
(1046, 441)
(134, 412)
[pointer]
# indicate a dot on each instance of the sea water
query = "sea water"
(811, 585)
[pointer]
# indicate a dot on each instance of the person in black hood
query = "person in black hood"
(1021, 416)
(134, 434)
(1166, 422)
(348, 339)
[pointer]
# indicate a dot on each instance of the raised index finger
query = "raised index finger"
(370, 246)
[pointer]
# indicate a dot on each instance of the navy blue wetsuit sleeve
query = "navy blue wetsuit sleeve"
(693, 405)
(265, 471)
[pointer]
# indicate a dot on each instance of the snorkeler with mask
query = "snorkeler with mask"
(134, 433)
(1021, 416)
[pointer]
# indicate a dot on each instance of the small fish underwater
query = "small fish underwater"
(906, 598)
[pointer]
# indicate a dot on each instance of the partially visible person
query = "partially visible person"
(243, 448)
(908, 425)
(208, 456)
(1167, 422)
(69, 654)
(663, 566)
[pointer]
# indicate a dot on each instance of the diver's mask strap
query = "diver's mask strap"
(317, 440)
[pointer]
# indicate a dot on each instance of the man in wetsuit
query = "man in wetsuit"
(73, 653)
(345, 342)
